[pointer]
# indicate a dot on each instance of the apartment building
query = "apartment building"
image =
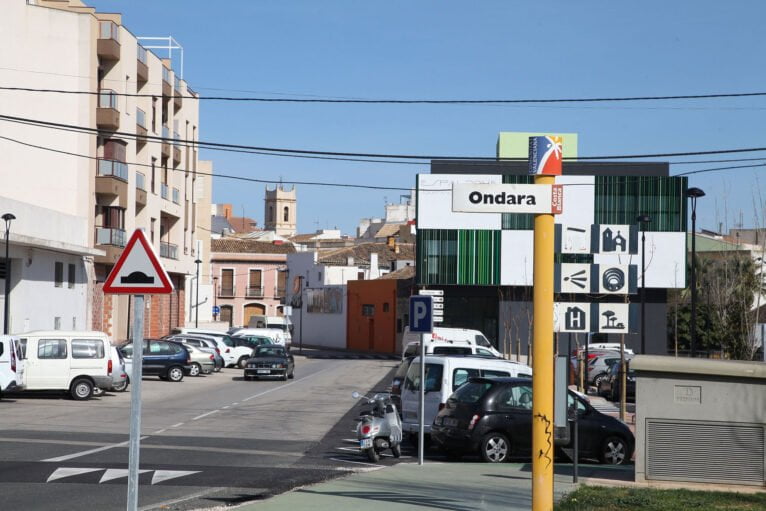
(123, 179)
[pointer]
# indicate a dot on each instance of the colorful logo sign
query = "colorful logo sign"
(545, 154)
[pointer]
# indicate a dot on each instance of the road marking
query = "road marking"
(225, 407)
(178, 425)
(159, 431)
(377, 467)
(62, 472)
(91, 451)
(205, 414)
(234, 404)
(165, 475)
(350, 449)
(117, 473)
(286, 385)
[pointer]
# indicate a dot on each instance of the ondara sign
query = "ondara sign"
(507, 198)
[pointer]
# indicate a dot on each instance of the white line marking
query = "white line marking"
(225, 407)
(63, 472)
(165, 475)
(349, 449)
(205, 414)
(159, 431)
(91, 451)
(234, 404)
(286, 385)
(359, 463)
(178, 425)
(351, 440)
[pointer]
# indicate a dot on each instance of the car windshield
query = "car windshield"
(278, 326)
(269, 351)
(471, 392)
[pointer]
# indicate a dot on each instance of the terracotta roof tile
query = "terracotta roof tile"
(361, 254)
(247, 246)
(408, 272)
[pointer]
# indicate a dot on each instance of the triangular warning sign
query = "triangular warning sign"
(138, 271)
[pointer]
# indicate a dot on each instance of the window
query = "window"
(2, 348)
(360, 275)
(368, 310)
(494, 374)
(154, 175)
(286, 215)
(87, 348)
(51, 349)
(152, 226)
(71, 276)
(471, 392)
(59, 274)
(482, 341)
(255, 283)
(484, 353)
(451, 350)
(460, 376)
(271, 213)
(23, 349)
(127, 351)
(385, 307)
(517, 396)
(57, 323)
(434, 374)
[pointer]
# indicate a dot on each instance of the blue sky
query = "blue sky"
(470, 50)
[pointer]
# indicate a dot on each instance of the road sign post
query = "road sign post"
(422, 322)
(137, 272)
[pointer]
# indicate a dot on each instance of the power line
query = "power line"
(217, 145)
(412, 101)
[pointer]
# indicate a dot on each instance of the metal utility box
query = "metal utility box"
(701, 421)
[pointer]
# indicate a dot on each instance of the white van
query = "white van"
(446, 337)
(72, 361)
(11, 364)
(609, 346)
(444, 374)
(274, 322)
(276, 335)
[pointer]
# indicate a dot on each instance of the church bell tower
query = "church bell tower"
(280, 213)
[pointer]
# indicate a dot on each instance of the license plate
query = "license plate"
(365, 443)
(263, 371)
(450, 421)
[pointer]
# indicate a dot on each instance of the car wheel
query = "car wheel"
(614, 451)
(284, 376)
(121, 386)
(98, 392)
(397, 451)
(175, 374)
(242, 362)
(81, 389)
(217, 369)
(597, 381)
(373, 455)
(292, 374)
(195, 369)
(495, 448)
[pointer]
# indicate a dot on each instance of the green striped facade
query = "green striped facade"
(457, 256)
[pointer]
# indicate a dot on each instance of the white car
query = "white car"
(276, 335)
(11, 364)
(232, 354)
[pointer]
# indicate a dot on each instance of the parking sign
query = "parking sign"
(421, 314)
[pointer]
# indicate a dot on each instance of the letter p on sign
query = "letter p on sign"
(421, 314)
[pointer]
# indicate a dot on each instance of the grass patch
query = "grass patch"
(597, 498)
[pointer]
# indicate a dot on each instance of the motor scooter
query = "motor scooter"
(380, 428)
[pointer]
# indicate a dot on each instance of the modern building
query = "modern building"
(250, 278)
(139, 171)
(281, 210)
(483, 261)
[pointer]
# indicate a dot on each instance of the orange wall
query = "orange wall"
(376, 333)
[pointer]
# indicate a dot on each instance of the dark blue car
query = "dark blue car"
(168, 360)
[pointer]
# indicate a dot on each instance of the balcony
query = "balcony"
(142, 66)
(108, 45)
(168, 250)
(280, 292)
(177, 98)
(140, 189)
(107, 113)
(112, 241)
(164, 191)
(165, 142)
(167, 88)
(112, 179)
(141, 129)
(227, 291)
(176, 196)
(254, 292)
(176, 149)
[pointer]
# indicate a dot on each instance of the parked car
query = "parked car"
(609, 386)
(443, 375)
(492, 417)
(398, 381)
(447, 348)
(270, 360)
(202, 362)
(232, 355)
(168, 360)
(11, 365)
(281, 323)
(276, 335)
(119, 375)
(454, 337)
(208, 344)
(75, 362)
(598, 365)
(251, 341)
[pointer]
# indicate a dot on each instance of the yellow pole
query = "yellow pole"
(542, 361)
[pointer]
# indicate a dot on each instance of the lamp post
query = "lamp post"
(196, 300)
(7, 217)
(215, 298)
(694, 194)
(643, 220)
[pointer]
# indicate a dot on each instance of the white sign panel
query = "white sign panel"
(617, 239)
(618, 279)
(575, 239)
(571, 317)
(505, 198)
(613, 318)
(431, 292)
(574, 278)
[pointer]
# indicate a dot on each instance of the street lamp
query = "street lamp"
(196, 300)
(643, 220)
(7, 217)
(694, 194)
(215, 298)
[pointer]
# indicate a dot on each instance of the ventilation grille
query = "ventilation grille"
(704, 452)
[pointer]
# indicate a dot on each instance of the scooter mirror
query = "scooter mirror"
(355, 395)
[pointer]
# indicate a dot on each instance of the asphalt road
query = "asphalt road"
(207, 441)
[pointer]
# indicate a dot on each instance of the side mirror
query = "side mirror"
(355, 395)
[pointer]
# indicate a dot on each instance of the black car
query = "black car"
(270, 360)
(166, 359)
(609, 387)
(493, 417)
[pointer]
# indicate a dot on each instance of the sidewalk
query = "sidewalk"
(454, 486)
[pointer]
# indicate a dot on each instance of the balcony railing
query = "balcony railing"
(168, 250)
(165, 134)
(176, 140)
(112, 168)
(227, 291)
(108, 30)
(280, 292)
(165, 75)
(142, 55)
(140, 118)
(164, 191)
(109, 236)
(176, 196)
(254, 292)
(140, 181)
(107, 99)
(177, 84)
